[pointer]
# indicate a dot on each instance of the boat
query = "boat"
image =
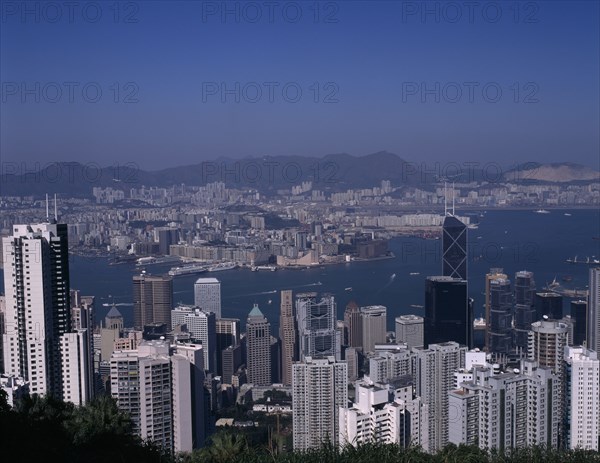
(416, 306)
(348, 289)
(479, 324)
(473, 226)
(414, 273)
(256, 268)
(222, 266)
(542, 211)
(567, 214)
(587, 260)
(118, 304)
(393, 276)
(187, 270)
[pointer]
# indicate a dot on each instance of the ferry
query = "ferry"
(222, 266)
(348, 288)
(542, 211)
(256, 268)
(187, 270)
(587, 260)
(414, 273)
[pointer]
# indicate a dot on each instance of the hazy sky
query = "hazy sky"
(186, 81)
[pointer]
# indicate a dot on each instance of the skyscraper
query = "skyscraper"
(499, 329)
(373, 326)
(447, 311)
(353, 321)
(525, 313)
(258, 348)
(593, 318)
(37, 304)
(317, 334)
(207, 295)
(77, 367)
(454, 248)
(227, 334)
(319, 390)
(579, 314)
(550, 304)
(409, 329)
(288, 335)
(493, 274)
(582, 378)
(152, 300)
(202, 328)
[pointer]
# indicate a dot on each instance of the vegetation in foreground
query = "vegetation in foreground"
(44, 429)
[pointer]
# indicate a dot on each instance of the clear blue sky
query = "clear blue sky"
(384, 75)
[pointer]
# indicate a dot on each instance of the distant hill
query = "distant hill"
(333, 172)
(563, 172)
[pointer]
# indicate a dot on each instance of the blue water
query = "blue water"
(513, 240)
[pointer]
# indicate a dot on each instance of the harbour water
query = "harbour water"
(512, 240)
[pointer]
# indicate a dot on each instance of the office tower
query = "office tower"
(499, 329)
(77, 367)
(316, 321)
(207, 295)
(275, 360)
(152, 300)
(161, 389)
(525, 313)
(37, 304)
(454, 248)
(258, 348)
(373, 326)
(385, 413)
(301, 240)
(447, 311)
(288, 334)
(494, 274)
(434, 378)
(550, 304)
(353, 321)
(231, 359)
(228, 334)
(166, 237)
(582, 393)
(319, 389)
(593, 317)
(578, 315)
(409, 329)
(202, 327)
(352, 357)
(507, 410)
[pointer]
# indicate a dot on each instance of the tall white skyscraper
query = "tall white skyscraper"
(319, 389)
(160, 387)
(582, 378)
(77, 367)
(434, 378)
(38, 311)
(202, 327)
(593, 317)
(207, 295)
(316, 321)
(409, 329)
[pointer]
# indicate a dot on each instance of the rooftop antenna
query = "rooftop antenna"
(452, 199)
(55, 209)
(445, 200)
(47, 213)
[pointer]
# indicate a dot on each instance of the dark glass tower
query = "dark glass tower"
(550, 304)
(448, 314)
(500, 329)
(454, 248)
(525, 313)
(579, 313)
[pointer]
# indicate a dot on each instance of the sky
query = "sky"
(168, 83)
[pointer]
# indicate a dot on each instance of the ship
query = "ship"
(479, 324)
(587, 260)
(187, 270)
(349, 288)
(414, 273)
(542, 211)
(256, 268)
(222, 266)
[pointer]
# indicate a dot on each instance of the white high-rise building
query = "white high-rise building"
(390, 364)
(409, 329)
(77, 367)
(316, 321)
(434, 378)
(207, 295)
(386, 413)
(161, 388)
(593, 316)
(508, 410)
(38, 311)
(319, 389)
(202, 327)
(582, 378)
(373, 326)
